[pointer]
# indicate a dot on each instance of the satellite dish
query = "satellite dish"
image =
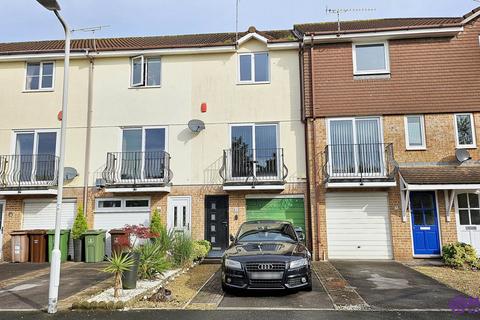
(462, 155)
(196, 125)
(70, 173)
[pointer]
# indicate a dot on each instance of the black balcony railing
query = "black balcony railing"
(251, 166)
(359, 162)
(137, 168)
(28, 171)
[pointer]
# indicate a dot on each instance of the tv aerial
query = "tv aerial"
(340, 11)
(93, 30)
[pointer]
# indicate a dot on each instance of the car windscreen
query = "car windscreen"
(267, 233)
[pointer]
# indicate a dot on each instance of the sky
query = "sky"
(23, 20)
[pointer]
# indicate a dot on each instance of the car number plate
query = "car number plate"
(266, 275)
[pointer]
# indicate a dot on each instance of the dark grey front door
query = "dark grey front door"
(216, 221)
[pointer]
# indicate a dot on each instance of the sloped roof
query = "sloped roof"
(378, 25)
(441, 175)
(141, 43)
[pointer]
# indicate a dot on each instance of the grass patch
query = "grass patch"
(466, 281)
(183, 288)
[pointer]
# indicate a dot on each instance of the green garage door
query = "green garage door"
(286, 209)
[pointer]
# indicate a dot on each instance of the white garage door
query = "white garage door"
(118, 212)
(40, 214)
(358, 225)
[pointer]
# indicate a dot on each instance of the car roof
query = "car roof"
(266, 222)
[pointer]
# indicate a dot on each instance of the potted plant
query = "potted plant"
(79, 227)
(119, 263)
(133, 234)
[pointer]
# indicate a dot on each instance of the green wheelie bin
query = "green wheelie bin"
(94, 245)
(64, 240)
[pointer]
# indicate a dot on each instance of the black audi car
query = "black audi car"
(266, 255)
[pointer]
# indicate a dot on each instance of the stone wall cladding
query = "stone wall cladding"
(440, 137)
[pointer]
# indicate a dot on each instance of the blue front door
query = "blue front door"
(424, 223)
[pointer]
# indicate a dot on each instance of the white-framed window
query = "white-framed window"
(253, 68)
(35, 154)
(371, 58)
(143, 153)
(415, 132)
(464, 130)
(122, 204)
(146, 71)
(39, 76)
(254, 150)
(468, 209)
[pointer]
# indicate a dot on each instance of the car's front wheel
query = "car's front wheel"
(226, 289)
(309, 287)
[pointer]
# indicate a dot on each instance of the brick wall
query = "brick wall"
(429, 75)
(440, 137)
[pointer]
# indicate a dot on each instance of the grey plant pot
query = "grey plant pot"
(129, 277)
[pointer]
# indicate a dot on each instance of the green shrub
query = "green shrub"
(153, 260)
(460, 255)
(165, 238)
(206, 244)
(182, 250)
(199, 251)
(80, 224)
(156, 223)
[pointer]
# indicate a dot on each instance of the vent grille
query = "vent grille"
(265, 267)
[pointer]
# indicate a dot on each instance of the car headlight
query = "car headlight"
(298, 263)
(232, 264)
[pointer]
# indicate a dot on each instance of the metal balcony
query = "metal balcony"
(362, 164)
(28, 172)
(252, 168)
(137, 169)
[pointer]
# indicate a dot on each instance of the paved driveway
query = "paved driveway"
(391, 285)
(29, 290)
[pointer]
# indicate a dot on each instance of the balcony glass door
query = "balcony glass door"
(143, 154)
(35, 154)
(254, 151)
(355, 147)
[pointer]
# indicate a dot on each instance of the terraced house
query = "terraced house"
(203, 128)
(392, 111)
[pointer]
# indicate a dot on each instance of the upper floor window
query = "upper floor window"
(146, 72)
(415, 132)
(371, 58)
(464, 130)
(254, 67)
(39, 76)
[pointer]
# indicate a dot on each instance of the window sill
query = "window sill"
(39, 90)
(416, 149)
(145, 87)
(372, 76)
(252, 83)
(466, 147)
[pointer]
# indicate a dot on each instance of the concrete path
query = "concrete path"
(32, 292)
(391, 285)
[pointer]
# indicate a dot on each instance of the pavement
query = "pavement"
(27, 288)
(391, 285)
(239, 315)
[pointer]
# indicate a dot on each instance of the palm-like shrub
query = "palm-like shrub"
(118, 264)
(153, 260)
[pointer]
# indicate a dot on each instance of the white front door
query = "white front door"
(468, 219)
(2, 210)
(179, 214)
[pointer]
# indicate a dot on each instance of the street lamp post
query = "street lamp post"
(53, 5)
